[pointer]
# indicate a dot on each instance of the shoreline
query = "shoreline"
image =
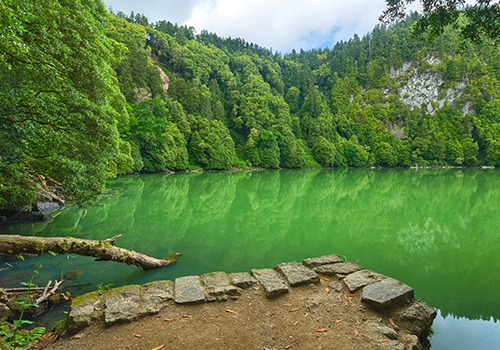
(293, 305)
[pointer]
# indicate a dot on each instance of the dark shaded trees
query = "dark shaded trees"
(482, 20)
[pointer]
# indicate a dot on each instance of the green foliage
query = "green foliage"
(385, 155)
(323, 152)
(56, 93)
(17, 338)
(103, 288)
(78, 106)
(336, 107)
(482, 24)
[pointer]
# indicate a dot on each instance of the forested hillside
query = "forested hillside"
(86, 94)
(385, 99)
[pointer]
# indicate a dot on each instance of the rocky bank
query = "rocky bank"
(382, 311)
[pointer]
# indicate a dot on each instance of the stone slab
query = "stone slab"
(188, 290)
(386, 293)
(361, 279)
(271, 281)
(215, 279)
(222, 293)
(122, 304)
(242, 279)
(155, 296)
(338, 268)
(297, 274)
(418, 317)
(322, 260)
(82, 311)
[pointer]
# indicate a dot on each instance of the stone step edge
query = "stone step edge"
(95, 303)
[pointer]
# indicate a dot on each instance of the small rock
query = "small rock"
(4, 311)
(30, 312)
(338, 268)
(322, 260)
(271, 281)
(47, 206)
(387, 292)
(385, 331)
(78, 336)
(188, 290)
(74, 274)
(418, 317)
(411, 341)
(361, 279)
(336, 286)
(242, 280)
(297, 274)
(392, 345)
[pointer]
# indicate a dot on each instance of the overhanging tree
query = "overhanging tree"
(482, 19)
(57, 126)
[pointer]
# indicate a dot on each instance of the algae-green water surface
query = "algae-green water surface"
(436, 230)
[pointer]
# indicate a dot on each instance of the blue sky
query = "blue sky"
(282, 25)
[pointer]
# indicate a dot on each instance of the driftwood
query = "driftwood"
(103, 250)
(46, 292)
(24, 290)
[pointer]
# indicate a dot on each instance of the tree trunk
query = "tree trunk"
(104, 250)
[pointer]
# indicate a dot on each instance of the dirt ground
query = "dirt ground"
(308, 317)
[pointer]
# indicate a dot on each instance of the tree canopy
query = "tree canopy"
(85, 95)
(57, 123)
(476, 23)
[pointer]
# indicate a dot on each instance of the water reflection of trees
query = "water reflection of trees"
(434, 229)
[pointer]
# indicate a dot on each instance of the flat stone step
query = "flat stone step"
(155, 296)
(387, 293)
(188, 290)
(271, 281)
(339, 268)
(322, 260)
(297, 274)
(215, 279)
(242, 279)
(362, 278)
(122, 306)
(217, 287)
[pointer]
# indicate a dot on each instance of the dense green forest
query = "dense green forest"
(231, 103)
(100, 94)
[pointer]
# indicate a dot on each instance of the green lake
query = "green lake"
(437, 230)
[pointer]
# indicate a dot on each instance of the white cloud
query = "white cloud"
(281, 24)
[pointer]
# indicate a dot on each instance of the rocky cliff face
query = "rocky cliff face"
(426, 89)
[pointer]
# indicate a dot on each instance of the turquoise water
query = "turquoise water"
(436, 230)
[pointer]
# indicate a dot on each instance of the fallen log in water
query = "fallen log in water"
(104, 250)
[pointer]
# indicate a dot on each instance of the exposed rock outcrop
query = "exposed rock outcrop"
(426, 89)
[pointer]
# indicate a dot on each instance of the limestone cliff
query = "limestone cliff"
(426, 88)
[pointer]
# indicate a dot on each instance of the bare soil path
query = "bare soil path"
(308, 317)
